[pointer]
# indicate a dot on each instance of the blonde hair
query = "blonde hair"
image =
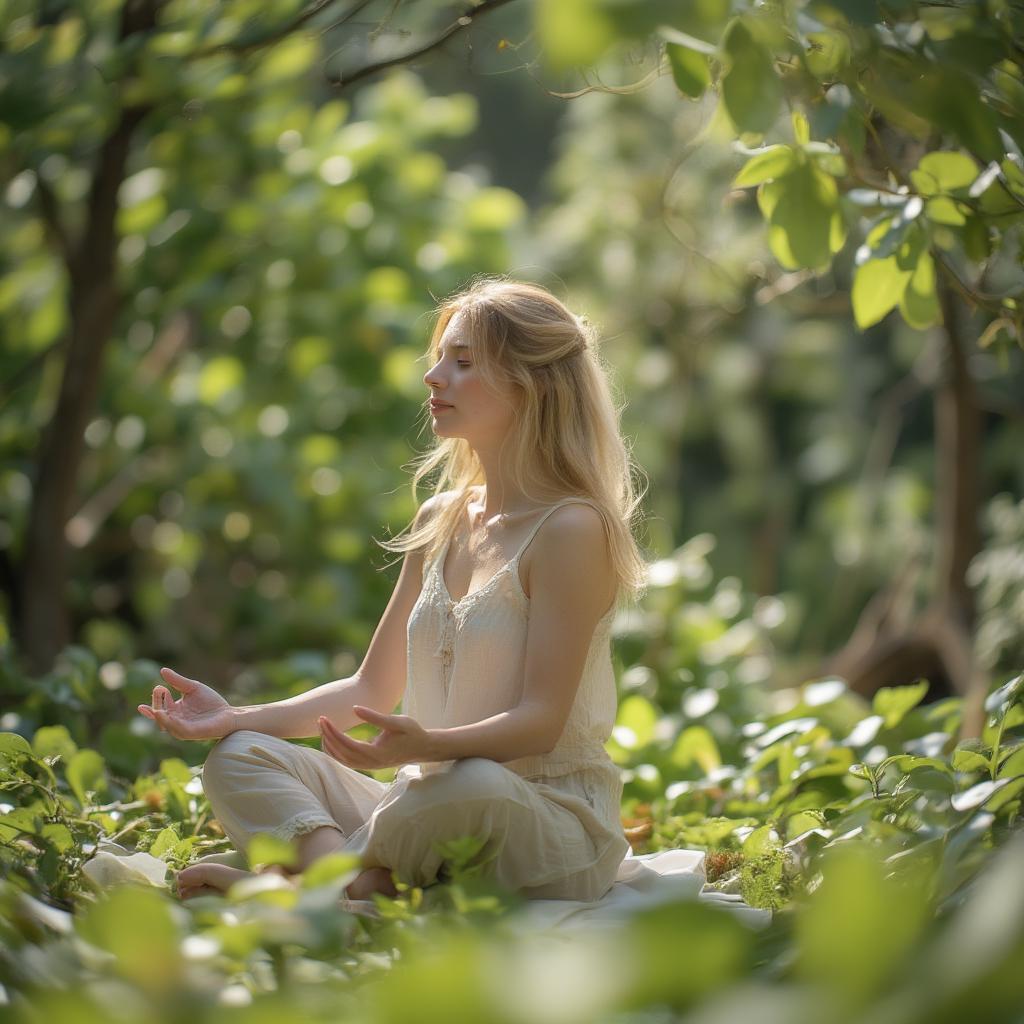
(565, 440)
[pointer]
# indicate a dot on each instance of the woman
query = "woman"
(496, 639)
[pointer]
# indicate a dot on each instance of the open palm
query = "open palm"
(201, 713)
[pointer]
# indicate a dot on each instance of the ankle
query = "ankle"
(369, 881)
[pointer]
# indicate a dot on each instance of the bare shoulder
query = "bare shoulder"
(432, 505)
(578, 525)
(571, 549)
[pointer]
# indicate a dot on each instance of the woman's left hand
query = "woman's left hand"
(402, 740)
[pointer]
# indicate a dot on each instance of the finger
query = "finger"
(367, 753)
(375, 717)
(181, 683)
(326, 725)
(165, 722)
(354, 758)
(340, 755)
(356, 746)
(162, 697)
(146, 711)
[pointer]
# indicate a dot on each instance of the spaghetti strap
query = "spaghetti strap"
(540, 522)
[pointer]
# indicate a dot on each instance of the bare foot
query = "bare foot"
(370, 881)
(203, 879)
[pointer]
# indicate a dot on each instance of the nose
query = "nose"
(432, 378)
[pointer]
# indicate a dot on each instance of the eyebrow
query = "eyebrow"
(457, 344)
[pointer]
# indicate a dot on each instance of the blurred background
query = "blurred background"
(217, 267)
(798, 225)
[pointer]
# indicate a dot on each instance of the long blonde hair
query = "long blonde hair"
(565, 440)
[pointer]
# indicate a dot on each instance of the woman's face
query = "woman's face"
(470, 409)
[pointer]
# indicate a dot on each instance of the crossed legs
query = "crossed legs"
(262, 784)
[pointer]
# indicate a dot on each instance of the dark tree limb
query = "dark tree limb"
(49, 207)
(885, 648)
(43, 626)
(244, 46)
(344, 80)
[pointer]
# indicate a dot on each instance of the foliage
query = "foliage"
(760, 412)
(808, 801)
(907, 125)
(281, 251)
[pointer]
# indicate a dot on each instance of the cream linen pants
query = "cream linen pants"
(535, 846)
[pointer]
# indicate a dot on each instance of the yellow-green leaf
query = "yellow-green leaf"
(943, 172)
(696, 745)
(878, 285)
(919, 303)
(770, 163)
(751, 91)
(690, 70)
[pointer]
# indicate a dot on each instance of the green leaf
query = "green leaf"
(635, 722)
(999, 701)
(977, 795)
(573, 32)
(696, 745)
(943, 172)
(53, 741)
(268, 849)
(1008, 794)
(827, 53)
(1012, 764)
(59, 836)
(966, 760)
(14, 748)
(919, 303)
(881, 918)
(944, 210)
(801, 128)
(166, 840)
(690, 70)
(333, 867)
(650, 943)
(21, 819)
(804, 821)
(773, 162)
(86, 772)
(893, 702)
(135, 925)
(751, 91)
(761, 841)
(878, 285)
(806, 226)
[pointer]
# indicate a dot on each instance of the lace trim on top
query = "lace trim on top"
(568, 756)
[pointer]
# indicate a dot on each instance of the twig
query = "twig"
(343, 80)
(279, 33)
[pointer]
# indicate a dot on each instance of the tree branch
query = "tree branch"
(343, 80)
(261, 42)
(50, 210)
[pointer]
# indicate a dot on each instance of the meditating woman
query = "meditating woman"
(495, 640)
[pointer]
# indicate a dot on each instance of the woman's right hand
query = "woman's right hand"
(200, 714)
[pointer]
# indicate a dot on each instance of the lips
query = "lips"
(440, 405)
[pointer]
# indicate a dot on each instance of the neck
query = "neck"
(498, 494)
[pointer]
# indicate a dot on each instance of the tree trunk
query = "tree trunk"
(42, 626)
(885, 649)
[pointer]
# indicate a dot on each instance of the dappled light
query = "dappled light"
(789, 234)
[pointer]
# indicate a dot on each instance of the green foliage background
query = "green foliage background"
(279, 250)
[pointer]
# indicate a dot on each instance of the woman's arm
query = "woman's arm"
(572, 585)
(378, 683)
